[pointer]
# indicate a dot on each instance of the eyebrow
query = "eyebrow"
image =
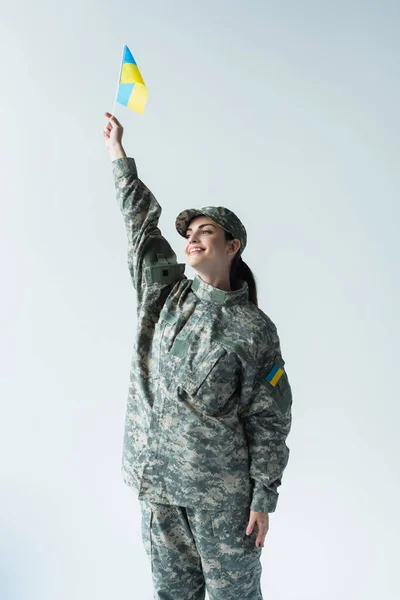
(200, 226)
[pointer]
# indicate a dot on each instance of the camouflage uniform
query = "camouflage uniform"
(205, 425)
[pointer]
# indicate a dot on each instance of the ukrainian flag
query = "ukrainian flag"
(274, 375)
(132, 91)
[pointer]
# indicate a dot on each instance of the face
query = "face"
(206, 248)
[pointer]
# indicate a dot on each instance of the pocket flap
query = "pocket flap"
(202, 368)
(167, 316)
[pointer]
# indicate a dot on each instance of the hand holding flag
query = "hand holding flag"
(112, 133)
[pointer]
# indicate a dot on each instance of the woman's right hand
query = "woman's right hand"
(112, 133)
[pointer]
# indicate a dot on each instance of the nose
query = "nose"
(191, 238)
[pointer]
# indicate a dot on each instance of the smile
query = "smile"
(195, 251)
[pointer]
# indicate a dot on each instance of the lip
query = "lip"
(194, 248)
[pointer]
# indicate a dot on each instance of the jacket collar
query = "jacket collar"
(209, 293)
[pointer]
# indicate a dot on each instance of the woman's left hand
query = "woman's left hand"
(261, 520)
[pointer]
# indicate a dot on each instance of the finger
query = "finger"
(115, 121)
(250, 527)
(260, 538)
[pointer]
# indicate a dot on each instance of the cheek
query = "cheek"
(213, 245)
(216, 247)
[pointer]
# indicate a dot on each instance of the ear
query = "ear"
(234, 246)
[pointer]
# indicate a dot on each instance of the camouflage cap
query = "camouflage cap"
(224, 217)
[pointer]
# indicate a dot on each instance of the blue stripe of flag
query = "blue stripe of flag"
(124, 93)
(271, 374)
(128, 58)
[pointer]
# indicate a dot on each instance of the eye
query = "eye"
(202, 231)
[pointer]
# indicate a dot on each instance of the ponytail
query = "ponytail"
(239, 272)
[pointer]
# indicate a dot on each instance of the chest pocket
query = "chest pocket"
(171, 351)
(213, 381)
(196, 363)
(163, 339)
(202, 368)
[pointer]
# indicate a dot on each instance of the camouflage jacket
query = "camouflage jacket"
(206, 421)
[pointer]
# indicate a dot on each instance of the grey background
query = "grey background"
(285, 112)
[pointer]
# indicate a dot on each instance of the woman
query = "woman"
(209, 405)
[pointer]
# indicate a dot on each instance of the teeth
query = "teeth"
(195, 251)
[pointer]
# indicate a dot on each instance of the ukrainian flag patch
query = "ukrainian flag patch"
(274, 375)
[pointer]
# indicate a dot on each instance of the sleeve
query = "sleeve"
(152, 262)
(266, 417)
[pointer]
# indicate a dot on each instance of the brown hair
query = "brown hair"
(241, 272)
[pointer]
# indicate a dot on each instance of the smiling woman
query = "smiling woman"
(219, 238)
(209, 408)
(209, 253)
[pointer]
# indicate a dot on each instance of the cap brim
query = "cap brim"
(183, 219)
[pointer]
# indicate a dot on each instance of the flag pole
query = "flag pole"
(119, 79)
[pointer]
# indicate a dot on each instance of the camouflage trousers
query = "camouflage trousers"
(193, 550)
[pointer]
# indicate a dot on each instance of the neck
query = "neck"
(217, 281)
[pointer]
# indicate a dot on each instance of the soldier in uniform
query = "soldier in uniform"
(209, 405)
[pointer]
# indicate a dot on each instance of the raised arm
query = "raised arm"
(151, 260)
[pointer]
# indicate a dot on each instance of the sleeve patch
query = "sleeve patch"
(164, 273)
(274, 375)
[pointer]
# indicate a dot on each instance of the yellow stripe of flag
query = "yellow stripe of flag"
(131, 74)
(276, 377)
(138, 98)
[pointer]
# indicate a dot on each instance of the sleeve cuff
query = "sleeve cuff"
(264, 500)
(123, 167)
